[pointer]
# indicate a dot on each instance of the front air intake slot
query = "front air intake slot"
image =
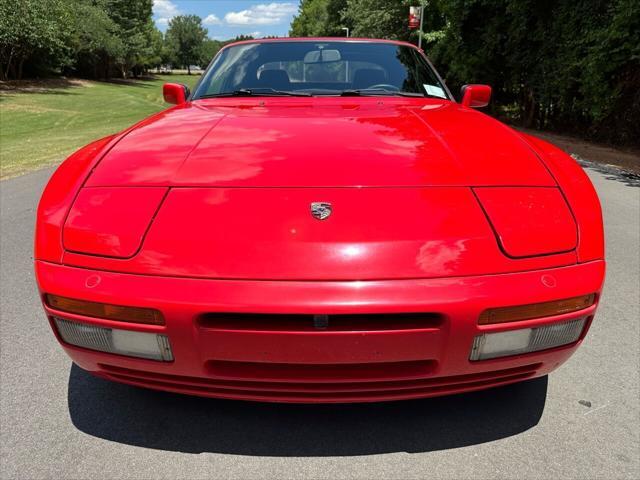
(320, 322)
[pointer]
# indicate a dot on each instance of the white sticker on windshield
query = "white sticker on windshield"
(435, 91)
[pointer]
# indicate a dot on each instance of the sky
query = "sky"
(225, 19)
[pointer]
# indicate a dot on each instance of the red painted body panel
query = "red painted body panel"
(268, 233)
(529, 221)
(150, 154)
(581, 197)
(174, 93)
(110, 222)
(204, 210)
(476, 96)
(321, 142)
(58, 196)
(203, 352)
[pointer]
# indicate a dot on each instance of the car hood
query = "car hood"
(273, 234)
(320, 142)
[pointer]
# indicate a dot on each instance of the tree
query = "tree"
(566, 65)
(152, 56)
(319, 18)
(569, 65)
(95, 41)
(209, 50)
(82, 37)
(132, 18)
(186, 36)
(379, 18)
(34, 29)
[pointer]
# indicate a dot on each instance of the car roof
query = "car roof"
(321, 39)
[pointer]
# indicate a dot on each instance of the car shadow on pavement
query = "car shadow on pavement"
(612, 172)
(167, 421)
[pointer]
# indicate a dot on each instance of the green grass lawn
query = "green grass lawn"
(41, 123)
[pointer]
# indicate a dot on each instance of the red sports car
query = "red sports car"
(320, 221)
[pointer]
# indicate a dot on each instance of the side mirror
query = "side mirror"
(175, 93)
(475, 96)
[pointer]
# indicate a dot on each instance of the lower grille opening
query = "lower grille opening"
(302, 322)
(311, 373)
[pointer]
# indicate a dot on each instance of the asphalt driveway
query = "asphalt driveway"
(581, 422)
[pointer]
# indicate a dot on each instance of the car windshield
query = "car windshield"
(305, 68)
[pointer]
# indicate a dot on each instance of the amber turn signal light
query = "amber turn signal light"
(536, 310)
(104, 310)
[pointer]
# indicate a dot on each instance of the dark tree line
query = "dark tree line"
(569, 65)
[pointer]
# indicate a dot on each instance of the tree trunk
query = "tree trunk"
(529, 108)
(188, 69)
(20, 64)
(6, 74)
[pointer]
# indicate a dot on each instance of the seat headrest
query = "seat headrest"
(276, 79)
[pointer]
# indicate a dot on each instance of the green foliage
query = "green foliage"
(379, 18)
(185, 36)
(89, 37)
(319, 18)
(209, 50)
(571, 65)
(153, 54)
(33, 28)
(132, 18)
(95, 40)
(239, 38)
(210, 47)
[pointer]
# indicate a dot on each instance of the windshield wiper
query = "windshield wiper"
(258, 92)
(365, 92)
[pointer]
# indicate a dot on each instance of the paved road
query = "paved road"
(57, 421)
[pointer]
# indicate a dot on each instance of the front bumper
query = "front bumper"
(300, 364)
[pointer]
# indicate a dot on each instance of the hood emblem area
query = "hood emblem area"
(321, 210)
